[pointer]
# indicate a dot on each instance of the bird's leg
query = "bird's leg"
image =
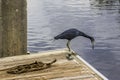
(69, 54)
(68, 46)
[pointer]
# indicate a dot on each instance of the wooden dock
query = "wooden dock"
(63, 69)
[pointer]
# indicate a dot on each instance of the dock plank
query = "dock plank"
(63, 69)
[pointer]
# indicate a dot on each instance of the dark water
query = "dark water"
(98, 18)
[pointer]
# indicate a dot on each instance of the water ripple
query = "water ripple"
(98, 18)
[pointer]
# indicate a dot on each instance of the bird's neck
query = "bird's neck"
(87, 36)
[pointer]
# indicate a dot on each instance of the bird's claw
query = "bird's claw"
(69, 57)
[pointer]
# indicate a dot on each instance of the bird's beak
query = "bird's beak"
(52, 40)
(93, 42)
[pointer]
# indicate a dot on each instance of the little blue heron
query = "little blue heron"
(71, 34)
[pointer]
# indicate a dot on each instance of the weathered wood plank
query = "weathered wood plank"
(0, 30)
(13, 33)
(63, 69)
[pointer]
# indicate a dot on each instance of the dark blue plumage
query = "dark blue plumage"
(68, 34)
(71, 34)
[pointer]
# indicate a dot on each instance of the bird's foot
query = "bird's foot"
(72, 53)
(69, 57)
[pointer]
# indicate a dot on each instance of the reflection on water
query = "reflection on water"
(98, 18)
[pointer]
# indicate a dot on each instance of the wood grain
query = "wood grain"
(14, 28)
(63, 69)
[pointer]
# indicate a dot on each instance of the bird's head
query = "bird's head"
(92, 42)
(89, 37)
